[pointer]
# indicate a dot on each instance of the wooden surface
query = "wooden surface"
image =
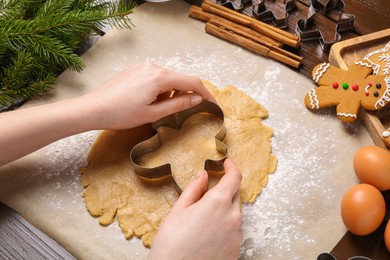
(20, 240)
(370, 16)
(311, 51)
(345, 53)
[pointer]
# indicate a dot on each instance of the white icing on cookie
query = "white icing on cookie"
(386, 134)
(383, 56)
(314, 102)
(320, 71)
(364, 64)
(386, 95)
(367, 87)
(347, 115)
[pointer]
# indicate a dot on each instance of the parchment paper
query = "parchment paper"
(296, 217)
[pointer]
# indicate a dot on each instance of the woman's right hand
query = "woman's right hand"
(203, 225)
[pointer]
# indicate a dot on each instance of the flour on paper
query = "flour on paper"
(112, 188)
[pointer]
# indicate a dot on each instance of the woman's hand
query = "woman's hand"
(132, 97)
(203, 225)
(129, 99)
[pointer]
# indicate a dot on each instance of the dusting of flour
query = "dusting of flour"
(287, 211)
(299, 196)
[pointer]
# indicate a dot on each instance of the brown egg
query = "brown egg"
(363, 209)
(387, 236)
(372, 166)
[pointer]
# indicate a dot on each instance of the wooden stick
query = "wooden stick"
(249, 44)
(266, 29)
(286, 53)
(250, 34)
(197, 13)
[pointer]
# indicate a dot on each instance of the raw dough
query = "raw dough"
(177, 148)
(113, 189)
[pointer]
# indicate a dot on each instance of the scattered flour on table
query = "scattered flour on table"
(60, 173)
(61, 169)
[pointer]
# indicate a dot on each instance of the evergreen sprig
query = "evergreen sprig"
(38, 39)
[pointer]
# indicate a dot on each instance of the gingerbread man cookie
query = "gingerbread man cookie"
(348, 90)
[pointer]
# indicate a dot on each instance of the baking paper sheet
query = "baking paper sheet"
(297, 215)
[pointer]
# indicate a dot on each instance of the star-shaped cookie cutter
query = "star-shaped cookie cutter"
(176, 121)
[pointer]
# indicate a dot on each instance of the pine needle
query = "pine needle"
(38, 39)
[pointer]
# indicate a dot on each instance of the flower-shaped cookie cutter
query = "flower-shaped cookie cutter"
(176, 121)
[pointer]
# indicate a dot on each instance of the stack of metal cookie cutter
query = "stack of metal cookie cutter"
(176, 121)
(261, 10)
(307, 30)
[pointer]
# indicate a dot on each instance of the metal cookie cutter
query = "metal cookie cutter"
(231, 4)
(176, 121)
(333, 9)
(263, 12)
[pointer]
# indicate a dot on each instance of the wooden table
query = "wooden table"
(370, 16)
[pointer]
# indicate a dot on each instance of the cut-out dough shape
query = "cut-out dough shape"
(191, 122)
(112, 188)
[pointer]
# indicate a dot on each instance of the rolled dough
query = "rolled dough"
(112, 188)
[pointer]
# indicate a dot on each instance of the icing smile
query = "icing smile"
(386, 95)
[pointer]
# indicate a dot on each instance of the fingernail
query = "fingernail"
(196, 99)
(199, 173)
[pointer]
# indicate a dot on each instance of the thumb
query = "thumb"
(193, 192)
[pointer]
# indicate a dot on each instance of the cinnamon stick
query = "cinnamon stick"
(250, 34)
(266, 29)
(225, 9)
(197, 13)
(249, 44)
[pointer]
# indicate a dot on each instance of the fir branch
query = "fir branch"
(54, 52)
(3, 48)
(35, 88)
(117, 15)
(16, 74)
(19, 9)
(38, 39)
(17, 83)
